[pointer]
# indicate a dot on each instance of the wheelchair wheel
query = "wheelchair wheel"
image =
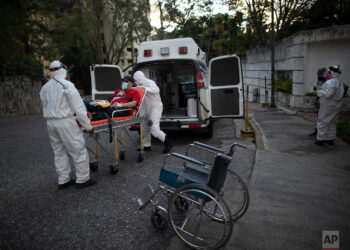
(195, 227)
(238, 198)
(182, 204)
(159, 220)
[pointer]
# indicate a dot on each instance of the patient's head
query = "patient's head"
(127, 82)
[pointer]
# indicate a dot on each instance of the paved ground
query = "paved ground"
(298, 189)
(34, 214)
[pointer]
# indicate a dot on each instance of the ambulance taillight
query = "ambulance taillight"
(147, 53)
(183, 50)
(200, 80)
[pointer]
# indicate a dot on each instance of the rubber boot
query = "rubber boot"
(314, 133)
(167, 146)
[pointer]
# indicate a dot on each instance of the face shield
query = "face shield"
(334, 71)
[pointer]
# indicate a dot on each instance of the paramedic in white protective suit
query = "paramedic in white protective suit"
(331, 99)
(153, 108)
(60, 100)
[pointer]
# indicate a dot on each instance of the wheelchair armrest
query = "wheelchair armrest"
(208, 147)
(189, 159)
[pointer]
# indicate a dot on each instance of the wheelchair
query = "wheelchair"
(191, 196)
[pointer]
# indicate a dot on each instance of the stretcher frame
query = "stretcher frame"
(112, 125)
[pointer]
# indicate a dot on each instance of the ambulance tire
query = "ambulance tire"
(209, 130)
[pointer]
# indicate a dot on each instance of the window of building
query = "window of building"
(129, 60)
(129, 49)
(103, 37)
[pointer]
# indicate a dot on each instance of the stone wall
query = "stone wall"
(19, 96)
(291, 56)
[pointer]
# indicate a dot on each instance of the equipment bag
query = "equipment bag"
(102, 109)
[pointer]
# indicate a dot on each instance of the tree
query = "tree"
(323, 13)
(130, 22)
(286, 13)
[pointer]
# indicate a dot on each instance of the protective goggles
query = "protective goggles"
(57, 68)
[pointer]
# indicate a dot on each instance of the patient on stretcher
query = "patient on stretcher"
(122, 103)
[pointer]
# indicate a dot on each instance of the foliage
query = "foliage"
(286, 12)
(343, 130)
(284, 82)
(130, 22)
(19, 38)
(216, 35)
(73, 42)
(323, 13)
(69, 30)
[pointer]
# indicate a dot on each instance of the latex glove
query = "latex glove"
(119, 105)
(91, 132)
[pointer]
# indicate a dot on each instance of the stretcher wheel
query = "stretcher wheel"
(196, 226)
(122, 155)
(93, 166)
(113, 169)
(159, 220)
(140, 157)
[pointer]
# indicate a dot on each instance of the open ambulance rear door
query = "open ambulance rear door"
(105, 79)
(226, 87)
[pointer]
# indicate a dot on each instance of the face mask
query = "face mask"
(328, 76)
(138, 82)
(124, 85)
(334, 74)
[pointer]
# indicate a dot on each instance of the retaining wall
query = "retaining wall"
(19, 96)
(300, 55)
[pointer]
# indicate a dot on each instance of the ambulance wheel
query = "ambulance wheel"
(122, 155)
(209, 130)
(140, 157)
(159, 220)
(93, 166)
(113, 169)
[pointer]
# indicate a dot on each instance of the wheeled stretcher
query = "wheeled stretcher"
(112, 126)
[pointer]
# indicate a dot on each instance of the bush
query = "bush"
(285, 85)
(343, 130)
(23, 65)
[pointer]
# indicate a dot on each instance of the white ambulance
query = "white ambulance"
(191, 94)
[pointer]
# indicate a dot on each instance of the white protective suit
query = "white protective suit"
(331, 99)
(60, 100)
(152, 108)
